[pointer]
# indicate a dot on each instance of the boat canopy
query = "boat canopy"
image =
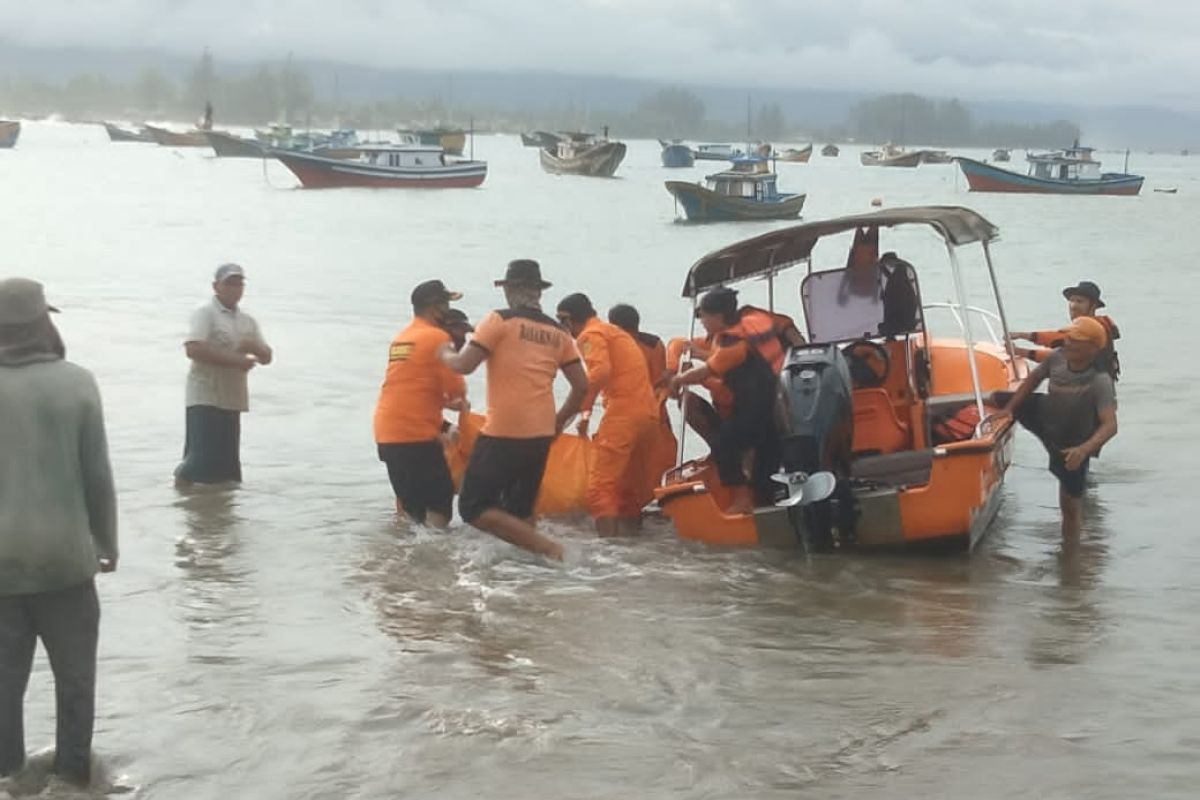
(775, 251)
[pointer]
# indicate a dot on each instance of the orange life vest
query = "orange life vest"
(761, 330)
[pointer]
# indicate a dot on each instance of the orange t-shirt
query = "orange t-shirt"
(731, 351)
(415, 387)
(525, 350)
(616, 367)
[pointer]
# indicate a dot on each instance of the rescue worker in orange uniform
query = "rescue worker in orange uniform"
(1083, 300)
(524, 350)
(408, 414)
(666, 447)
(623, 448)
(750, 424)
(769, 334)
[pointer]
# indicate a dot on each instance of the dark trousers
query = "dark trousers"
(731, 438)
(212, 446)
(67, 621)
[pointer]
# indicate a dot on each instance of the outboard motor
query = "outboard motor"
(816, 429)
(817, 422)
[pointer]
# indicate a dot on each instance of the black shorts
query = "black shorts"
(211, 446)
(420, 477)
(1029, 414)
(504, 474)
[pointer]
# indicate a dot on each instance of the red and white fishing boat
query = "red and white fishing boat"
(385, 166)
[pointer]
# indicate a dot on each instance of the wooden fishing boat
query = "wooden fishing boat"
(169, 138)
(1001, 154)
(794, 156)
(891, 156)
(830, 151)
(936, 157)
(226, 145)
(676, 154)
(1070, 171)
(10, 131)
(886, 434)
(377, 166)
(118, 134)
(748, 191)
(583, 154)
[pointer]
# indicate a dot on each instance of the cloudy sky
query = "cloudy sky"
(1094, 52)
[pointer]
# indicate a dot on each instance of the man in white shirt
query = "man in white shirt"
(224, 344)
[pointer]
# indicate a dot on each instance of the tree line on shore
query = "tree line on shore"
(286, 93)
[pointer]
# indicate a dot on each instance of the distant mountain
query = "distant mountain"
(1113, 127)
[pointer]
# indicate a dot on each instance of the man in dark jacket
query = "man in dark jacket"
(58, 527)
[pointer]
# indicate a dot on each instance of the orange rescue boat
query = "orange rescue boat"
(886, 432)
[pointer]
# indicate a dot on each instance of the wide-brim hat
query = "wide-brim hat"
(22, 301)
(431, 292)
(524, 272)
(1085, 289)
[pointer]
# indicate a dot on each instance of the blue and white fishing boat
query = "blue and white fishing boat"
(676, 154)
(1069, 171)
(747, 191)
(716, 152)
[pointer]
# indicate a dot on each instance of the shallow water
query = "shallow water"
(291, 639)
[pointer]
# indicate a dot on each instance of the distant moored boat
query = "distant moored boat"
(676, 154)
(1070, 171)
(118, 134)
(169, 138)
(583, 154)
(830, 151)
(405, 167)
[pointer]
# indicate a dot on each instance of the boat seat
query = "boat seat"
(905, 468)
(876, 427)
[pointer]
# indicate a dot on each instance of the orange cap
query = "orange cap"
(1087, 329)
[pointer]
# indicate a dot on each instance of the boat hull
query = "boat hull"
(704, 205)
(10, 131)
(675, 156)
(600, 161)
(954, 507)
(226, 145)
(318, 172)
(119, 134)
(797, 156)
(168, 138)
(876, 159)
(983, 177)
(830, 151)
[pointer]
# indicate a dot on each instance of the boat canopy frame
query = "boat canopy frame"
(769, 254)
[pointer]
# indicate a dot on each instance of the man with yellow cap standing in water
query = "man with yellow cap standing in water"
(1076, 415)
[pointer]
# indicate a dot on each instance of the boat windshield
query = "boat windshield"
(859, 302)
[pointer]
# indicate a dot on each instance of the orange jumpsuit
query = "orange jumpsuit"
(623, 446)
(665, 446)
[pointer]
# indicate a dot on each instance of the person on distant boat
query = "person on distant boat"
(408, 415)
(751, 381)
(206, 123)
(224, 343)
(524, 350)
(1083, 300)
(1075, 417)
(623, 448)
(626, 317)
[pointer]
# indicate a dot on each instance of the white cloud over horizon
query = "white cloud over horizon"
(1093, 52)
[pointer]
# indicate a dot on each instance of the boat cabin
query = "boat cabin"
(717, 151)
(402, 157)
(749, 179)
(1073, 164)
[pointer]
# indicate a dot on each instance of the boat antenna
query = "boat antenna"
(1126, 160)
(471, 122)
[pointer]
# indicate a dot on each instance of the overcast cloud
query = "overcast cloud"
(1099, 52)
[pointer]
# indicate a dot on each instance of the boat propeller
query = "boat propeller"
(804, 489)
